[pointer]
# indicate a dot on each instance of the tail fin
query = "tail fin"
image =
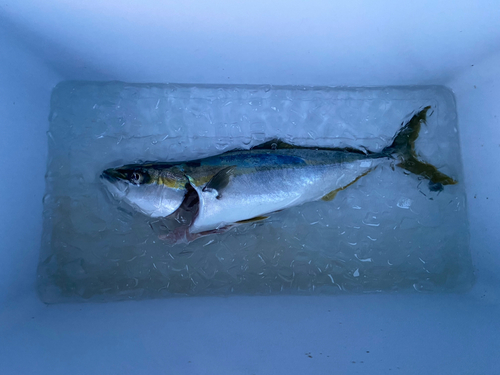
(404, 147)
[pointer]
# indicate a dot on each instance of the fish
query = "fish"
(213, 194)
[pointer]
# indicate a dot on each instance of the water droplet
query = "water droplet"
(259, 136)
(221, 145)
(363, 260)
(404, 203)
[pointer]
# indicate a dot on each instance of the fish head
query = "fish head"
(154, 190)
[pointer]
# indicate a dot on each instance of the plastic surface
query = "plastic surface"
(353, 43)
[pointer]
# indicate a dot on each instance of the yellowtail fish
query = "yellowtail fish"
(241, 186)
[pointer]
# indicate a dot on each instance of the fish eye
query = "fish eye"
(136, 178)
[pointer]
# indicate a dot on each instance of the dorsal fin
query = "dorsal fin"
(278, 144)
(274, 144)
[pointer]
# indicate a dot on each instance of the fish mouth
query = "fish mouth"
(112, 175)
(115, 183)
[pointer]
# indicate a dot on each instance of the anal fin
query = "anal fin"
(252, 220)
(331, 195)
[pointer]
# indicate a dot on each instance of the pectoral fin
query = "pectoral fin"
(220, 180)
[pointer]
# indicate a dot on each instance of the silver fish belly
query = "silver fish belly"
(253, 192)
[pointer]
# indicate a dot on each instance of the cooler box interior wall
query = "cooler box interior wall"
(361, 43)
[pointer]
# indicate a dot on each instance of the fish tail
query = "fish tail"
(403, 147)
